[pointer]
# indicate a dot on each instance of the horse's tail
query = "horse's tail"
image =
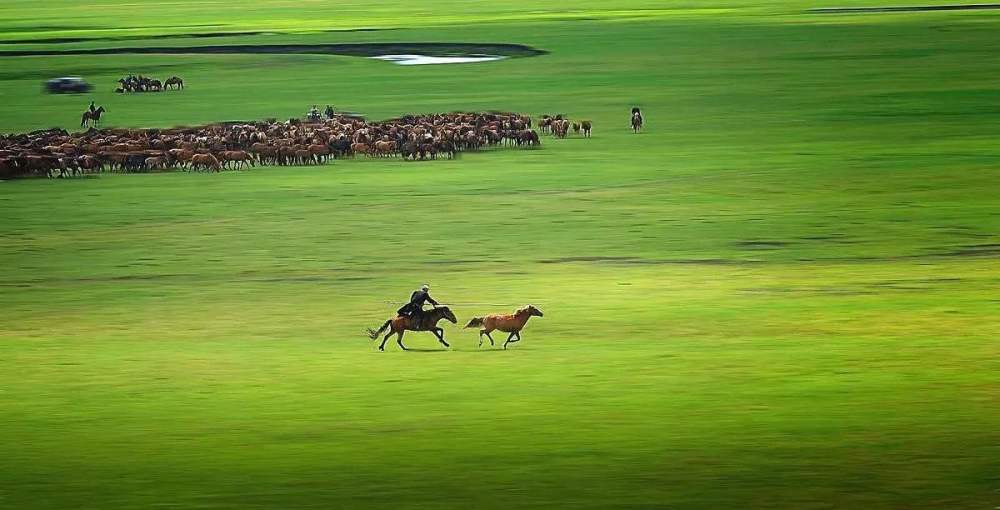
(476, 321)
(374, 334)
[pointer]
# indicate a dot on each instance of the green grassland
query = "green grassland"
(783, 294)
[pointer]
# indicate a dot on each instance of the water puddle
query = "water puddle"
(417, 60)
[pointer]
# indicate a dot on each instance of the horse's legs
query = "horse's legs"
(487, 333)
(381, 346)
(509, 338)
(399, 340)
(438, 332)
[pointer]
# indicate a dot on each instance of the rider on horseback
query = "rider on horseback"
(636, 119)
(415, 308)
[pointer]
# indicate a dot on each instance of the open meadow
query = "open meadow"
(783, 293)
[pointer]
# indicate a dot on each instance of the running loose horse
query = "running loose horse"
(508, 323)
(428, 322)
(93, 117)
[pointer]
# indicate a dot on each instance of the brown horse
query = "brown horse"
(94, 117)
(427, 322)
(508, 323)
(206, 161)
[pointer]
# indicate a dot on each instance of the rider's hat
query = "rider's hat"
(425, 286)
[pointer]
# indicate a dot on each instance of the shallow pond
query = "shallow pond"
(416, 60)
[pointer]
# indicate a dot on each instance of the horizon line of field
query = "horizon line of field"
(434, 49)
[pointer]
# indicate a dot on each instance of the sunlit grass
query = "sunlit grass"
(782, 294)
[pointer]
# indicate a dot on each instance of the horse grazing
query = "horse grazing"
(636, 121)
(207, 161)
(427, 322)
(508, 323)
(173, 81)
(93, 117)
(528, 137)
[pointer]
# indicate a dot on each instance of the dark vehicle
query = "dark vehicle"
(67, 85)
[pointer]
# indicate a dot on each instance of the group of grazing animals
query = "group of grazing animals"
(140, 83)
(559, 126)
(511, 323)
(241, 145)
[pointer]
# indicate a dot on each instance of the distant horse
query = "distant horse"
(93, 117)
(508, 323)
(173, 81)
(427, 322)
(586, 125)
(636, 120)
(545, 124)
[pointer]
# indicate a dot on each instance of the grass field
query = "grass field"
(783, 294)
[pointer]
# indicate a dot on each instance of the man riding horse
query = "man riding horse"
(414, 310)
(92, 115)
(636, 119)
(313, 115)
(411, 317)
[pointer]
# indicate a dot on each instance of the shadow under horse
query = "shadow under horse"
(426, 322)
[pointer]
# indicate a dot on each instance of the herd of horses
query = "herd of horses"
(240, 145)
(511, 323)
(140, 83)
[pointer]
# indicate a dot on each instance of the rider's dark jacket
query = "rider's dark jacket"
(416, 303)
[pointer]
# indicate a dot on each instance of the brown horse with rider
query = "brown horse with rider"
(412, 317)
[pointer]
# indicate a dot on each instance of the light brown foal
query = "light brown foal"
(508, 323)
